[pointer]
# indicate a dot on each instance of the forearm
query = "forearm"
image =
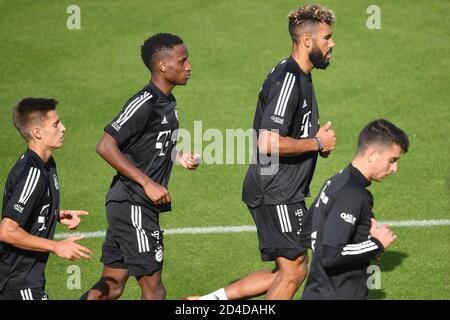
(351, 254)
(272, 143)
(293, 147)
(19, 238)
(111, 153)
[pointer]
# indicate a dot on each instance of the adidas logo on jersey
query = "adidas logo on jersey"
(164, 120)
(277, 119)
(18, 207)
(116, 126)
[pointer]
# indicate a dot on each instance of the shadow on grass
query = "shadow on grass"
(391, 259)
(377, 294)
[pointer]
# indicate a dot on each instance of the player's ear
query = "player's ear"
(372, 154)
(36, 133)
(306, 39)
(162, 66)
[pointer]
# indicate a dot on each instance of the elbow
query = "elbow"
(5, 237)
(105, 146)
(5, 232)
(263, 143)
(100, 149)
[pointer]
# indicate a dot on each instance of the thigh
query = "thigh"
(292, 265)
(113, 279)
(150, 281)
(116, 275)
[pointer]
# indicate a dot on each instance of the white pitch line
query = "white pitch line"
(416, 223)
(403, 223)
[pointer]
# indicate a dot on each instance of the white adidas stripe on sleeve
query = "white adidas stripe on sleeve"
(30, 185)
(285, 93)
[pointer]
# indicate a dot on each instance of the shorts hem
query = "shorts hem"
(271, 254)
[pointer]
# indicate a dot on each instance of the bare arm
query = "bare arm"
(12, 233)
(108, 149)
(271, 142)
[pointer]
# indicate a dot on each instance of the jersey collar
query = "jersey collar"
(36, 157)
(359, 176)
(158, 92)
(292, 60)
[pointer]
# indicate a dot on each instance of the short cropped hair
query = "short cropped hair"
(304, 19)
(155, 44)
(30, 111)
(384, 133)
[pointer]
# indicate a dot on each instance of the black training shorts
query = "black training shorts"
(23, 294)
(283, 230)
(134, 240)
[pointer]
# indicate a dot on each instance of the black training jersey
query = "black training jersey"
(31, 198)
(342, 247)
(286, 103)
(145, 131)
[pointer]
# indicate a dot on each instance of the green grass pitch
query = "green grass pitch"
(399, 72)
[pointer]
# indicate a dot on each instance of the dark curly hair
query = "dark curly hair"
(155, 44)
(303, 18)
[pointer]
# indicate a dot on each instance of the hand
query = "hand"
(156, 192)
(69, 249)
(189, 160)
(327, 138)
(382, 233)
(71, 218)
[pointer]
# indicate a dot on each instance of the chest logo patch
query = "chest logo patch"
(347, 217)
(164, 120)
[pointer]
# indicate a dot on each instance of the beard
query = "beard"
(318, 59)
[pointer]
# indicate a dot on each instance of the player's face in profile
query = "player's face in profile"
(386, 162)
(322, 47)
(52, 131)
(178, 69)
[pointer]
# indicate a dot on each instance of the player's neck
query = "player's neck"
(162, 85)
(360, 164)
(302, 59)
(43, 152)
